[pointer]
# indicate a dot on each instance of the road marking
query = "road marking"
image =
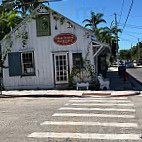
(85, 136)
(112, 101)
(91, 124)
(93, 115)
(100, 104)
(99, 109)
(67, 104)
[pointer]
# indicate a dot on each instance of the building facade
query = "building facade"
(45, 47)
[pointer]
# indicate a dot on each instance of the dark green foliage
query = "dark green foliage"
(124, 55)
(104, 34)
(131, 54)
(95, 20)
(23, 7)
(8, 21)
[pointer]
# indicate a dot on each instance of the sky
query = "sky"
(78, 10)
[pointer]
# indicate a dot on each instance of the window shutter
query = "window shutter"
(14, 61)
(43, 25)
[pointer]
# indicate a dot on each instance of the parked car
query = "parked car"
(139, 62)
(129, 64)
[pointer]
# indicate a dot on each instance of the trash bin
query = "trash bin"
(120, 71)
(124, 74)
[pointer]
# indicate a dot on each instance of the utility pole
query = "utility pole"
(116, 34)
(138, 50)
(131, 51)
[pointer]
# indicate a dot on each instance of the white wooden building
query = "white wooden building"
(44, 49)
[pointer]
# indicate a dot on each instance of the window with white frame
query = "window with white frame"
(27, 59)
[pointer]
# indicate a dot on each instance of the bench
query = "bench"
(82, 85)
(104, 82)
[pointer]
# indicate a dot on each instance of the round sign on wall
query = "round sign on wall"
(65, 39)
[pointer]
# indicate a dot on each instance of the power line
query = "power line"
(128, 14)
(137, 16)
(121, 11)
(124, 39)
(130, 35)
(130, 25)
(132, 32)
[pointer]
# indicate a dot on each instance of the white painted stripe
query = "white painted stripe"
(99, 109)
(101, 98)
(93, 115)
(112, 101)
(130, 125)
(101, 104)
(67, 104)
(85, 136)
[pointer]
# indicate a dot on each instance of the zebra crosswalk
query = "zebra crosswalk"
(92, 119)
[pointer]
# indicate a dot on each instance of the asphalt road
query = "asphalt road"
(71, 119)
(136, 73)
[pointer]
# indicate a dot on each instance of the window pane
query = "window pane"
(27, 60)
(57, 78)
(77, 60)
(61, 78)
(60, 57)
(65, 78)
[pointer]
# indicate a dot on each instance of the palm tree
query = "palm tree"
(94, 21)
(8, 21)
(107, 34)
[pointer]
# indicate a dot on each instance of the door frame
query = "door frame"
(54, 66)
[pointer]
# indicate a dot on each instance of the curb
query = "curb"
(132, 94)
(38, 96)
(96, 94)
(65, 95)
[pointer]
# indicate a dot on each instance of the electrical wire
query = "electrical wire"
(132, 32)
(128, 14)
(132, 26)
(121, 11)
(124, 39)
(130, 35)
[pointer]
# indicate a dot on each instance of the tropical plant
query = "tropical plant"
(21, 6)
(8, 21)
(94, 21)
(24, 7)
(108, 35)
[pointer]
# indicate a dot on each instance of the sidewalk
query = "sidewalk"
(118, 88)
(117, 83)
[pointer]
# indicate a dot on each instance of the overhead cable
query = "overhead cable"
(121, 11)
(128, 14)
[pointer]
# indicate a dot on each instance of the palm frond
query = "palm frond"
(86, 20)
(87, 25)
